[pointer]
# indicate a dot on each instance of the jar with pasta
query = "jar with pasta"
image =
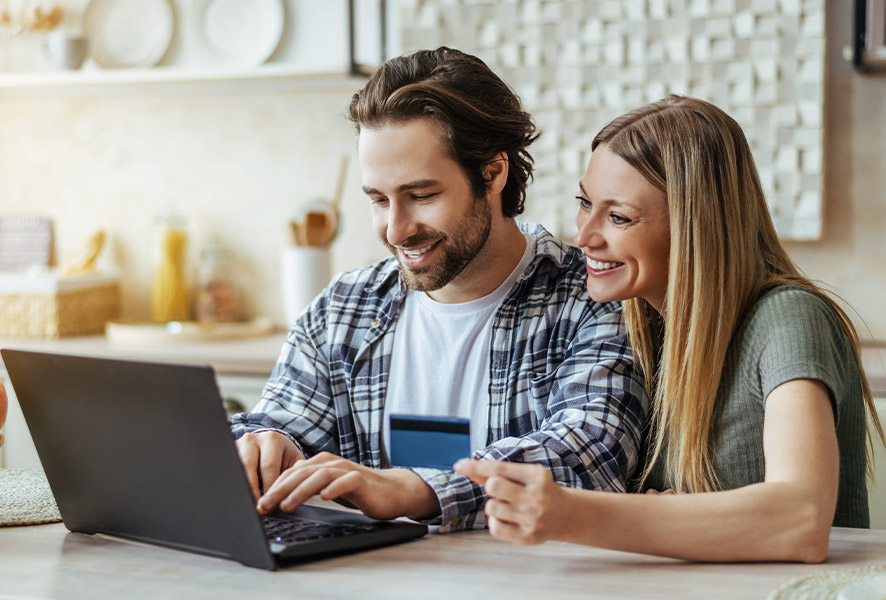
(217, 294)
(169, 293)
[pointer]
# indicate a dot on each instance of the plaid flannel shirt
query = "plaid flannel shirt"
(563, 392)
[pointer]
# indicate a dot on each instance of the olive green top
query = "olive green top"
(790, 333)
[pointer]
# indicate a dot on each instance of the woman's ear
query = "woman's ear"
(495, 173)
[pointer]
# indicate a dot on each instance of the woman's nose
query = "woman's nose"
(588, 234)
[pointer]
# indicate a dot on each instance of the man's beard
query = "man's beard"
(459, 249)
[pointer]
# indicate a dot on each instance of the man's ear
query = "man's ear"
(495, 173)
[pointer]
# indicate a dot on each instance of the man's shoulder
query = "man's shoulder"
(557, 276)
(551, 251)
(357, 296)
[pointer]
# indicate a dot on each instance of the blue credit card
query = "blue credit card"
(437, 442)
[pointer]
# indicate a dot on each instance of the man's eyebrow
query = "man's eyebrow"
(608, 201)
(418, 184)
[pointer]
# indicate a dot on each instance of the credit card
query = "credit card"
(437, 442)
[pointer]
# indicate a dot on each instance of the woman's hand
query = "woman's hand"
(525, 506)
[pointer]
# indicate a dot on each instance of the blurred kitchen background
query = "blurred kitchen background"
(237, 154)
(230, 116)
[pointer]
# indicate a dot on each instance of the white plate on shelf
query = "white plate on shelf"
(238, 32)
(129, 33)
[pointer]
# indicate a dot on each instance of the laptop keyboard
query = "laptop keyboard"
(294, 530)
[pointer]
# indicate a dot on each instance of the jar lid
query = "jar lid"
(216, 249)
(170, 220)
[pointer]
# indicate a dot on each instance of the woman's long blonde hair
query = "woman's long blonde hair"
(724, 254)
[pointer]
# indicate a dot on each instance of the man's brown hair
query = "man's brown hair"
(480, 115)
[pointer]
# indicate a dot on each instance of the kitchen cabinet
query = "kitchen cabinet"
(239, 393)
(242, 368)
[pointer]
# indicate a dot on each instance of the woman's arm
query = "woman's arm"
(786, 517)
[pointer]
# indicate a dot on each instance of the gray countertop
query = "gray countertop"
(46, 561)
(257, 355)
(248, 356)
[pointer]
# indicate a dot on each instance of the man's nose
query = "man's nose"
(401, 224)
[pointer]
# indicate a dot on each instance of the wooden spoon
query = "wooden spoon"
(333, 218)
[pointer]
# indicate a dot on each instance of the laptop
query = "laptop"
(143, 451)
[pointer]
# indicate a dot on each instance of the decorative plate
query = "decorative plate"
(238, 32)
(129, 33)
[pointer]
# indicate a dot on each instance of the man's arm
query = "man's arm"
(295, 417)
(590, 436)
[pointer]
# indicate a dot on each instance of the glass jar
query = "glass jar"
(169, 293)
(217, 295)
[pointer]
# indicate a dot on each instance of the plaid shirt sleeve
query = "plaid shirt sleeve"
(297, 398)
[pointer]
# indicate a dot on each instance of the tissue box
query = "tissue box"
(47, 306)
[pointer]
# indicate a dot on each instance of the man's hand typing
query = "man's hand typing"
(379, 493)
(265, 455)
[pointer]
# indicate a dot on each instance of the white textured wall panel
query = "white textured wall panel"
(577, 64)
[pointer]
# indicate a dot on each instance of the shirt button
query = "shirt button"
(375, 324)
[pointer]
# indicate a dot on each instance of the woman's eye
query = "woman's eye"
(583, 202)
(619, 220)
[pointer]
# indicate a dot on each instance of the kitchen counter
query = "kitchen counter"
(257, 355)
(45, 561)
(245, 356)
(242, 367)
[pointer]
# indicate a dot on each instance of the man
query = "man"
(476, 316)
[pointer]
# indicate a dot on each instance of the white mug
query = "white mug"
(66, 51)
(305, 271)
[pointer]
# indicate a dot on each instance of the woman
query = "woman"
(759, 397)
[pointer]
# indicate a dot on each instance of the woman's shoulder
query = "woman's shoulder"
(794, 324)
(791, 306)
(790, 333)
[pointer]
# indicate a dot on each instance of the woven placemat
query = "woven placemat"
(25, 498)
(824, 586)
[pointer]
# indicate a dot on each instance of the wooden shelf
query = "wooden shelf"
(94, 81)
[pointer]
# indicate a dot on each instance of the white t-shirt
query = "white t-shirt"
(440, 361)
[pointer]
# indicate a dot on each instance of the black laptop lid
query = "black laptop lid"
(139, 450)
